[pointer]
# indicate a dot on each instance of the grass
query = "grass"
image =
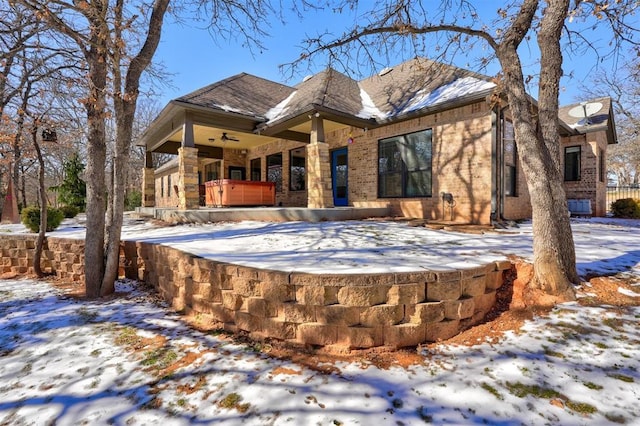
(160, 358)
(127, 337)
(233, 401)
(593, 386)
(493, 391)
(622, 377)
(521, 391)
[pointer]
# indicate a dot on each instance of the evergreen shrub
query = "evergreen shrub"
(626, 207)
(30, 217)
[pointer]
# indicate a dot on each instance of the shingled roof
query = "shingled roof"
(406, 88)
(243, 93)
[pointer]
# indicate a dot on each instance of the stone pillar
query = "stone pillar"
(148, 187)
(188, 191)
(319, 189)
(148, 182)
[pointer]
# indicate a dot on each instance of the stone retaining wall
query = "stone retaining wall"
(347, 311)
(62, 256)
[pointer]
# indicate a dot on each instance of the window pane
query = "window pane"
(297, 172)
(510, 181)
(404, 165)
(256, 169)
(572, 163)
(418, 184)
(390, 185)
(274, 170)
(417, 151)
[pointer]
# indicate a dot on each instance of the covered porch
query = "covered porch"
(217, 136)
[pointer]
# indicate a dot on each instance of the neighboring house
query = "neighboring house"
(425, 138)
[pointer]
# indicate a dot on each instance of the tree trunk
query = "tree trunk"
(42, 193)
(553, 249)
(94, 253)
(125, 108)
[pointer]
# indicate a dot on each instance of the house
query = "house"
(422, 137)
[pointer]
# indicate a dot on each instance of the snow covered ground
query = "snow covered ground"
(603, 246)
(130, 360)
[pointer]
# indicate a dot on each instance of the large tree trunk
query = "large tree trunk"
(125, 108)
(553, 249)
(94, 253)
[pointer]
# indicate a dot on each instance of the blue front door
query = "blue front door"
(339, 177)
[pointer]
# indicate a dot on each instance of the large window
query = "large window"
(297, 169)
(572, 163)
(510, 159)
(256, 169)
(404, 165)
(274, 170)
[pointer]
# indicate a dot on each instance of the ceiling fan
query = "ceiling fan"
(225, 138)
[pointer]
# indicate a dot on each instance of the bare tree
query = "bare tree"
(119, 39)
(623, 86)
(452, 25)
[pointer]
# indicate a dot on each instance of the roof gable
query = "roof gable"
(243, 93)
(421, 83)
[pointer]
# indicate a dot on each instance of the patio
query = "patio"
(268, 214)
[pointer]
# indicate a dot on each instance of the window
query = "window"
(161, 187)
(274, 170)
(510, 159)
(572, 163)
(256, 169)
(212, 171)
(602, 167)
(169, 185)
(404, 165)
(297, 169)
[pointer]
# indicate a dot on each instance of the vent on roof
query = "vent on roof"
(307, 77)
(384, 71)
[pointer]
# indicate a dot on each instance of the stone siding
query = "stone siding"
(343, 311)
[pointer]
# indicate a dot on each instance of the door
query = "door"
(339, 177)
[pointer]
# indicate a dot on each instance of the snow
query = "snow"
(603, 246)
(68, 361)
(279, 110)
(229, 108)
(369, 108)
(455, 89)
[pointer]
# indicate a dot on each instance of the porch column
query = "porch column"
(188, 191)
(319, 190)
(148, 182)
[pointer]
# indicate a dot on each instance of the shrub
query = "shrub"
(31, 218)
(626, 207)
(69, 211)
(133, 200)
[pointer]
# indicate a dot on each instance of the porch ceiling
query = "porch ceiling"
(212, 136)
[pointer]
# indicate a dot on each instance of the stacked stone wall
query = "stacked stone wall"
(352, 310)
(60, 256)
(346, 311)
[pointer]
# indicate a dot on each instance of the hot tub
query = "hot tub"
(230, 193)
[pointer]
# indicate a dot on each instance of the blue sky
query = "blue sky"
(195, 59)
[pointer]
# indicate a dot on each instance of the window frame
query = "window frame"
(404, 171)
(572, 174)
